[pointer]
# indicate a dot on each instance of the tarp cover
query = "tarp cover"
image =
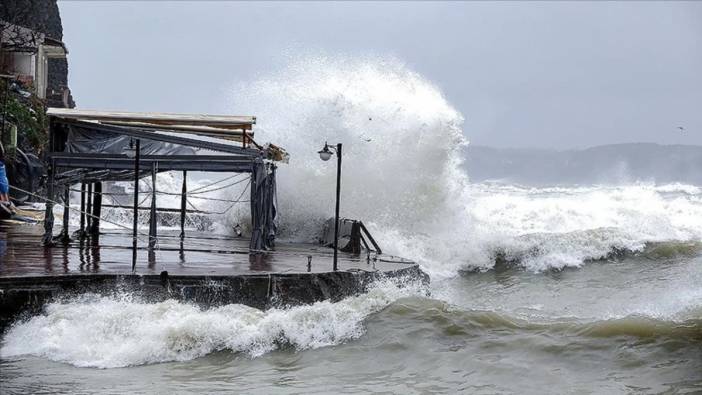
(264, 207)
(84, 140)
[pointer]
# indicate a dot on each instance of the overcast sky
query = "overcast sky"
(544, 74)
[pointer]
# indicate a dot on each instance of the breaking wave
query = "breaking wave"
(107, 331)
(554, 228)
(403, 175)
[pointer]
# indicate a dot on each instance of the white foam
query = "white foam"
(559, 227)
(106, 332)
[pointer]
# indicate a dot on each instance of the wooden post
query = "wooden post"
(152, 217)
(183, 200)
(97, 211)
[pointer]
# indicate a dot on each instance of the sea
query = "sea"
(592, 288)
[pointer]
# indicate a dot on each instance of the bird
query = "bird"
(682, 129)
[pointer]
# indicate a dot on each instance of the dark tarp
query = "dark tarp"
(26, 173)
(263, 206)
(84, 140)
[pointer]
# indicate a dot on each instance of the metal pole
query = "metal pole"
(89, 207)
(47, 239)
(136, 204)
(65, 238)
(82, 210)
(338, 195)
(183, 194)
(152, 217)
(97, 211)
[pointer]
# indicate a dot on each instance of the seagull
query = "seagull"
(682, 129)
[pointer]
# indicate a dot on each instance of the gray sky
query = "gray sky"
(544, 74)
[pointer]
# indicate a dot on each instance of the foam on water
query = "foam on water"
(544, 228)
(107, 332)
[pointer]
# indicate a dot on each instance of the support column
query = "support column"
(97, 211)
(183, 197)
(89, 207)
(137, 158)
(65, 236)
(152, 218)
(47, 239)
(81, 231)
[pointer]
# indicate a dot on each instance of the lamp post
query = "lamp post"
(325, 154)
(133, 152)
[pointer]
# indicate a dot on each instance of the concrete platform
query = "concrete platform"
(206, 269)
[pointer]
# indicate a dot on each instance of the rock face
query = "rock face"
(42, 16)
(39, 15)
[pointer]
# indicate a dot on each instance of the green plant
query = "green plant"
(29, 114)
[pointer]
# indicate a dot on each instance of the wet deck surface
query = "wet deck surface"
(21, 255)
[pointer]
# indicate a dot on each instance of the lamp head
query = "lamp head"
(130, 151)
(325, 153)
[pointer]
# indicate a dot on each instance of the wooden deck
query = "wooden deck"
(207, 269)
(21, 254)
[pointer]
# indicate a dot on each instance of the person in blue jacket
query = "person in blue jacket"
(4, 183)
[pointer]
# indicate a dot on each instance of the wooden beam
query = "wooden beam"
(222, 121)
(228, 134)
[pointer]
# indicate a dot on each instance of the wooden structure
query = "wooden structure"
(90, 147)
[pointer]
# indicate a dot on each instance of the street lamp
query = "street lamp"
(325, 154)
(130, 150)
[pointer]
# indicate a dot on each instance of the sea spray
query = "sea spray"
(403, 144)
(403, 176)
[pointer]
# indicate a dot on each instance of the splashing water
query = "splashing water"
(124, 331)
(403, 176)
(402, 145)
(409, 185)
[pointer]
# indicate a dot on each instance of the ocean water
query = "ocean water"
(561, 289)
